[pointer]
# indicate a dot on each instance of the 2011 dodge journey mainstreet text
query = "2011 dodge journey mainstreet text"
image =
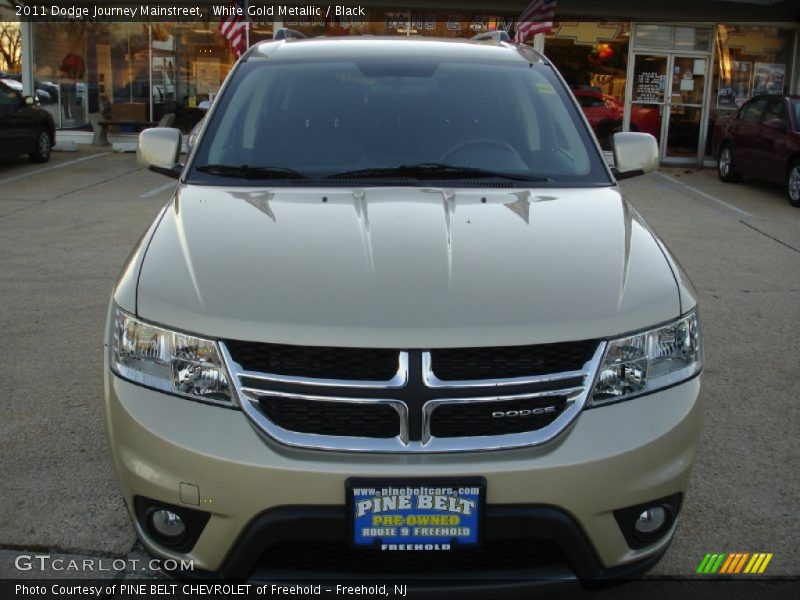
(398, 321)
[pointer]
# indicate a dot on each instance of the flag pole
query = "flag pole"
(246, 25)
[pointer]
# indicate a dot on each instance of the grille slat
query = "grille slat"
(476, 418)
(317, 362)
(463, 364)
(332, 418)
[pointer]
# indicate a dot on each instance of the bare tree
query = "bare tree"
(10, 46)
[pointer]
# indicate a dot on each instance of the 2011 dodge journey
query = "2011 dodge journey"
(398, 321)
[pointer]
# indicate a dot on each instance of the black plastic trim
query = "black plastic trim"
(174, 171)
(620, 175)
(500, 522)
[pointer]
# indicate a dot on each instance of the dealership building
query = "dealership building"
(669, 69)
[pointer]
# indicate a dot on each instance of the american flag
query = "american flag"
(537, 18)
(234, 28)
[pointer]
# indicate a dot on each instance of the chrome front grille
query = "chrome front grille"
(429, 401)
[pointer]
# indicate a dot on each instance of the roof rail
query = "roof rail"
(284, 33)
(497, 36)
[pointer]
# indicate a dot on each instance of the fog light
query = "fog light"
(647, 523)
(168, 524)
(650, 521)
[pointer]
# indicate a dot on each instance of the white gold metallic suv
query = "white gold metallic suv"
(399, 321)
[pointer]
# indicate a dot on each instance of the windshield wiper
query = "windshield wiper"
(434, 171)
(248, 172)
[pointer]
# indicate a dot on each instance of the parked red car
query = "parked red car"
(605, 112)
(761, 139)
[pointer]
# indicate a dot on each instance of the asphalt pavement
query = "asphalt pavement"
(66, 228)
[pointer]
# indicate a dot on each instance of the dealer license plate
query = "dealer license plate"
(420, 515)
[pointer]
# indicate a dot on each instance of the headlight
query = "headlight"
(650, 360)
(174, 362)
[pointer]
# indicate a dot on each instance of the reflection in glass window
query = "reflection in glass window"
(671, 37)
(751, 113)
(104, 71)
(593, 58)
(776, 110)
(8, 97)
(692, 38)
(796, 107)
(749, 60)
(653, 36)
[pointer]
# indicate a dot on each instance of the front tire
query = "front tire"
(793, 184)
(725, 168)
(44, 144)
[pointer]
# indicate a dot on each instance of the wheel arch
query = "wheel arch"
(721, 144)
(793, 158)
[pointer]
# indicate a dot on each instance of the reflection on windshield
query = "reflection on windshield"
(363, 118)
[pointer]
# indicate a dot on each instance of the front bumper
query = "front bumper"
(611, 457)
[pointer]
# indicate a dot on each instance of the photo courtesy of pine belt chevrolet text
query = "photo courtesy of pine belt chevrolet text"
(398, 321)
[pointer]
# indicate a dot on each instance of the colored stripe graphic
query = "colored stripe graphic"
(765, 563)
(727, 565)
(704, 564)
(740, 564)
(734, 563)
(755, 562)
(758, 563)
(711, 563)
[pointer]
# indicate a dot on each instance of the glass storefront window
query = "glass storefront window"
(593, 58)
(692, 38)
(190, 62)
(653, 36)
(673, 37)
(93, 68)
(750, 60)
(105, 69)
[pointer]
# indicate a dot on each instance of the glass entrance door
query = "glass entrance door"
(684, 106)
(649, 96)
(667, 101)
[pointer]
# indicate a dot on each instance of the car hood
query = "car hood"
(404, 267)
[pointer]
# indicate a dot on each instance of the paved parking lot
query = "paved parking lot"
(66, 228)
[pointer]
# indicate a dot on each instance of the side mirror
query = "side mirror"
(30, 100)
(159, 150)
(634, 154)
(778, 124)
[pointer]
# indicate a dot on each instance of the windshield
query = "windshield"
(412, 119)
